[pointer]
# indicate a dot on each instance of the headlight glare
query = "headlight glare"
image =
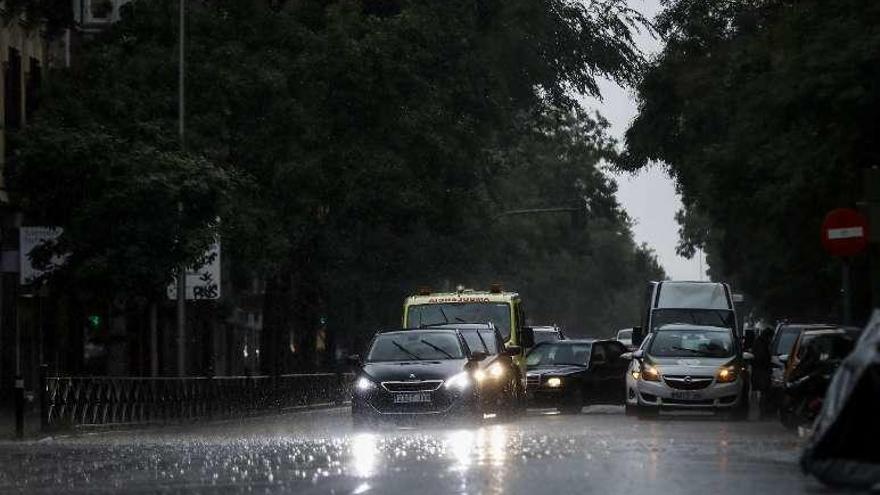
(496, 370)
(363, 384)
(479, 375)
(726, 374)
(554, 382)
(461, 381)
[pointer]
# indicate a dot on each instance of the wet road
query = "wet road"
(599, 451)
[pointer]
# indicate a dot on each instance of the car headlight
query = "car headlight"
(650, 373)
(496, 370)
(726, 374)
(364, 384)
(636, 373)
(479, 375)
(554, 382)
(459, 382)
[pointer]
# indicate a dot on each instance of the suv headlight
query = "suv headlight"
(650, 373)
(726, 374)
(459, 382)
(364, 384)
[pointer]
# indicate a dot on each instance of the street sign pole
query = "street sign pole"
(846, 298)
(181, 272)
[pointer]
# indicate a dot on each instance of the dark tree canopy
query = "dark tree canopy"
(353, 151)
(765, 115)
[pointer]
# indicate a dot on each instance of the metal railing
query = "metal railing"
(69, 402)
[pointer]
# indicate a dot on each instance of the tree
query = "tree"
(761, 111)
(366, 140)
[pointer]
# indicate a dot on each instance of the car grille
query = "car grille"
(683, 402)
(533, 381)
(683, 382)
(417, 386)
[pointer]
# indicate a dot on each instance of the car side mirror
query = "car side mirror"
(783, 358)
(513, 350)
(527, 337)
(627, 356)
(354, 360)
(478, 356)
(748, 356)
(637, 336)
(639, 354)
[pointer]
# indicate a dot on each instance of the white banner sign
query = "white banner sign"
(202, 282)
(29, 238)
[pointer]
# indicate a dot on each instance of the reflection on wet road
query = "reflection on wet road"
(600, 451)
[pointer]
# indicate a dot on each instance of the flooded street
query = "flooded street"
(599, 451)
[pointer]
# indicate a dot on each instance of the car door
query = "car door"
(599, 373)
(617, 369)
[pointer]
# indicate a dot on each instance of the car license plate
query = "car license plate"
(412, 398)
(687, 395)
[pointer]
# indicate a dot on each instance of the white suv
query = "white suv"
(681, 366)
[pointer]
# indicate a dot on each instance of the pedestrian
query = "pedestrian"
(761, 368)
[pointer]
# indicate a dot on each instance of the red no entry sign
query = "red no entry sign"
(845, 232)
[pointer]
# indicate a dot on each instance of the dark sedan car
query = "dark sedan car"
(452, 370)
(569, 374)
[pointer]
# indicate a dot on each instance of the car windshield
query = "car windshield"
(714, 317)
(557, 354)
(785, 340)
(434, 314)
(415, 346)
(696, 342)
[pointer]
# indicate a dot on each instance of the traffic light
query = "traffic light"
(94, 321)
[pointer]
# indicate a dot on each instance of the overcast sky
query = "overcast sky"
(648, 197)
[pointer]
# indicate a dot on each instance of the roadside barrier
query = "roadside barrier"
(70, 402)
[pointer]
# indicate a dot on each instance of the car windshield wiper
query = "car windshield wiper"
(404, 349)
(438, 349)
(569, 364)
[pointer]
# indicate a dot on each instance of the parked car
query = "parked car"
(547, 333)
(813, 361)
(784, 339)
(694, 367)
(462, 370)
(570, 374)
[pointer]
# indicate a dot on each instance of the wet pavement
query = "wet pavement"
(599, 451)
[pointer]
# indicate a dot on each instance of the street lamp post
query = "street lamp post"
(181, 272)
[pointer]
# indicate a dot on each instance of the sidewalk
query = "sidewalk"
(31, 420)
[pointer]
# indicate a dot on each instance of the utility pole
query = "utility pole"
(181, 272)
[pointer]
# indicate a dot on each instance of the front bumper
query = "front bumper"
(548, 397)
(379, 404)
(660, 394)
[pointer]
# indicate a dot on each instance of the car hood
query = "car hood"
(694, 366)
(555, 370)
(414, 370)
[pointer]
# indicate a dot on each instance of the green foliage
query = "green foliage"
(763, 112)
(371, 146)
